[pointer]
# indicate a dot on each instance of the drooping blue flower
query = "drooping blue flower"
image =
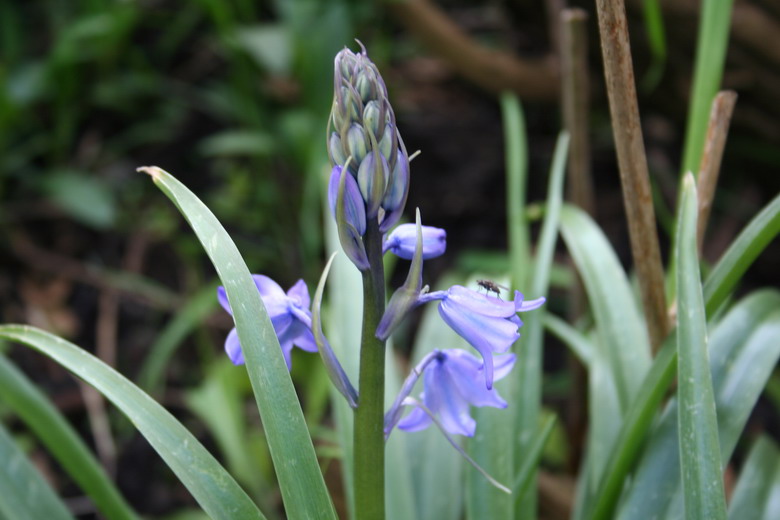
(289, 313)
(489, 324)
(452, 382)
(402, 240)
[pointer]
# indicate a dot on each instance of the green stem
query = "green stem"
(369, 415)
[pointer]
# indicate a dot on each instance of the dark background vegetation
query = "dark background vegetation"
(232, 96)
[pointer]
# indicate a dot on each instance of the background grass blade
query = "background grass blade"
(24, 494)
(300, 479)
(526, 382)
(702, 469)
(213, 488)
(710, 59)
(761, 230)
(171, 337)
(621, 332)
(757, 494)
(621, 354)
(437, 469)
(59, 437)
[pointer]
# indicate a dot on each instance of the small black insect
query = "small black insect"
(491, 286)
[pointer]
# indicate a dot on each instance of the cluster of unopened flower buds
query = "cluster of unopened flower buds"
(370, 176)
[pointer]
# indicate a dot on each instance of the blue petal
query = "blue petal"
(354, 206)
(223, 300)
(416, 420)
(299, 293)
(403, 240)
(480, 303)
(452, 408)
(485, 333)
(233, 348)
(522, 306)
(302, 337)
(466, 372)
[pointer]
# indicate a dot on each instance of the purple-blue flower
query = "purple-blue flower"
(489, 324)
(403, 239)
(452, 382)
(289, 313)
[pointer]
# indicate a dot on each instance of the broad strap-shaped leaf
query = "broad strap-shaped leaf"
(723, 278)
(701, 466)
(212, 486)
(757, 494)
(621, 331)
(759, 233)
(61, 440)
(743, 352)
(300, 479)
(621, 354)
(24, 494)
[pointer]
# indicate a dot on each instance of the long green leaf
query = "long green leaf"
(61, 440)
(527, 387)
(743, 352)
(737, 259)
(701, 465)
(523, 478)
(620, 328)
(213, 488)
(757, 494)
(24, 494)
(621, 354)
(761, 230)
(300, 479)
(496, 456)
(710, 59)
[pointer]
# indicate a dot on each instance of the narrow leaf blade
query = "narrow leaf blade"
(24, 494)
(61, 440)
(300, 479)
(213, 488)
(700, 461)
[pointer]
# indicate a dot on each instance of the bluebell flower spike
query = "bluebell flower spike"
(403, 239)
(406, 297)
(289, 313)
(334, 369)
(451, 384)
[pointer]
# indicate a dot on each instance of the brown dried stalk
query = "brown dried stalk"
(717, 131)
(624, 109)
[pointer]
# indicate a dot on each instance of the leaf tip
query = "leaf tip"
(152, 171)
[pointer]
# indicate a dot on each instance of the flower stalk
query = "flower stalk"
(369, 440)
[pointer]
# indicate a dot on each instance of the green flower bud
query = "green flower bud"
(357, 143)
(373, 115)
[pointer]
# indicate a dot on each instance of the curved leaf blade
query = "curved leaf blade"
(700, 462)
(622, 333)
(213, 488)
(61, 440)
(295, 462)
(758, 485)
(761, 230)
(24, 494)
